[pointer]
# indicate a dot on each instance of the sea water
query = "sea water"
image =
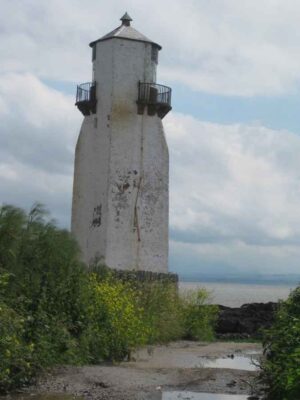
(237, 294)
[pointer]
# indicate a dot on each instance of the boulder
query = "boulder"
(245, 321)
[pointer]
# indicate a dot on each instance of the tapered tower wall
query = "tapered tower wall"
(120, 193)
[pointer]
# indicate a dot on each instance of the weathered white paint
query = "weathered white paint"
(120, 193)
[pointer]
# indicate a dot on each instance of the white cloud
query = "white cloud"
(235, 189)
(23, 185)
(39, 128)
(230, 47)
(233, 183)
(38, 124)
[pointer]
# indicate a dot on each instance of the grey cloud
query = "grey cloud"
(39, 126)
(233, 183)
(248, 235)
(234, 189)
(233, 259)
(30, 186)
(225, 48)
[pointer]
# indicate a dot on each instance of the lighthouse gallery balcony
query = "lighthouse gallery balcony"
(156, 97)
(86, 98)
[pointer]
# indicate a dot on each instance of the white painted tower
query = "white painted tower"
(121, 177)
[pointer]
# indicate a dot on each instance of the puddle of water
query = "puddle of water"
(188, 357)
(200, 396)
(238, 362)
(253, 352)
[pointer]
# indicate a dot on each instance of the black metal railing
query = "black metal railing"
(86, 98)
(156, 98)
(152, 93)
(85, 92)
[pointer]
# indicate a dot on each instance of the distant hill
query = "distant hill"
(270, 279)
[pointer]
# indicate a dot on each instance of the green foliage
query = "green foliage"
(41, 287)
(162, 311)
(281, 369)
(170, 316)
(115, 319)
(199, 318)
(16, 356)
(54, 310)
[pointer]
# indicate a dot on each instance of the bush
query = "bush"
(53, 310)
(16, 355)
(116, 324)
(170, 315)
(46, 282)
(162, 311)
(199, 318)
(281, 368)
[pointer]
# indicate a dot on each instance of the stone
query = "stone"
(245, 321)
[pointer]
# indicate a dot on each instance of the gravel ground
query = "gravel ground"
(153, 370)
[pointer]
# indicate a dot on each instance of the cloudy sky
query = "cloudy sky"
(233, 134)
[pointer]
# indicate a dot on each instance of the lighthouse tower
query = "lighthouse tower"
(120, 191)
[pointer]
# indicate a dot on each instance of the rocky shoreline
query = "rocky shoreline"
(245, 322)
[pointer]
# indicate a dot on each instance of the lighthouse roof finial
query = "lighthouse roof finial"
(126, 19)
(125, 31)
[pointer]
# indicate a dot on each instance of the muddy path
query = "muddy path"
(153, 372)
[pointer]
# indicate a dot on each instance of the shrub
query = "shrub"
(199, 318)
(162, 311)
(116, 323)
(170, 315)
(16, 356)
(71, 315)
(46, 281)
(281, 368)
(53, 310)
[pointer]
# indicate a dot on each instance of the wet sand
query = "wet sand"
(160, 369)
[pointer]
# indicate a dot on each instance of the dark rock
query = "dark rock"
(245, 321)
(231, 384)
(101, 384)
